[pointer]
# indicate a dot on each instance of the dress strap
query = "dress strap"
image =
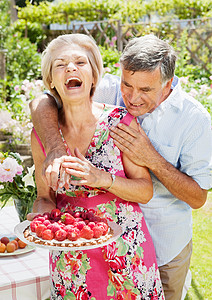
(39, 141)
(127, 119)
(64, 141)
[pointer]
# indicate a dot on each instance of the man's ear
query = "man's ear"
(169, 83)
(167, 87)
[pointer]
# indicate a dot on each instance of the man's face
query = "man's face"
(142, 91)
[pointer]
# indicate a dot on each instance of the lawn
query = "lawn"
(201, 261)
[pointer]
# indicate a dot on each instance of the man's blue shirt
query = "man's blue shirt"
(180, 130)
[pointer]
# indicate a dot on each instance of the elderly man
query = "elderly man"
(174, 142)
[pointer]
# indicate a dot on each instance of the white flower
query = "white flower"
(9, 168)
(193, 93)
(28, 178)
(184, 80)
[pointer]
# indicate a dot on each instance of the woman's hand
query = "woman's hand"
(31, 216)
(86, 173)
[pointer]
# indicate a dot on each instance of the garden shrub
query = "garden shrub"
(34, 31)
(4, 21)
(110, 60)
(23, 60)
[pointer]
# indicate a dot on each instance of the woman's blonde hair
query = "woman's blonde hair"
(83, 41)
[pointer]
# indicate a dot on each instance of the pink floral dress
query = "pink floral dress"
(125, 269)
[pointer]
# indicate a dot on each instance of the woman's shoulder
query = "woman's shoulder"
(112, 114)
(115, 111)
(116, 114)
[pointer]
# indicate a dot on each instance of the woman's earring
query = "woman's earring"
(52, 85)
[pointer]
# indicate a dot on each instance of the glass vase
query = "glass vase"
(22, 207)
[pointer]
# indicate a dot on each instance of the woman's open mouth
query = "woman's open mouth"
(73, 82)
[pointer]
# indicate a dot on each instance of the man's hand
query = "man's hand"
(135, 144)
(52, 166)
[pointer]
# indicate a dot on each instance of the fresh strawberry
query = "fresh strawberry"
(98, 231)
(79, 224)
(67, 218)
(91, 224)
(62, 225)
(47, 234)
(46, 222)
(73, 235)
(78, 219)
(34, 224)
(41, 219)
(54, 227)
(39, 229)
(69, 228)
(60, 235)
(86, 232)
(104, 226)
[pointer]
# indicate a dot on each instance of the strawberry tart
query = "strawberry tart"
(68, 229)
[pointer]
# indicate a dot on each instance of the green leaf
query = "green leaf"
(122, 247)
(69, 296)
(140, 252)
(73, 277)
(84, 267)
(75, 178)
(71, 194)
(61, 264)
(4, 198)
(128, 284)
(102, 138)
(110, 289)
(111, 209)
(136, 291)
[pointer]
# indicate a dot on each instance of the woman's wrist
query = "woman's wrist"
(113, 180)
(109, 181)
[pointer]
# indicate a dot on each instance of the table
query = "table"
(24, 276)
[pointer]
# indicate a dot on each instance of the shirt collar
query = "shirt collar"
(174, 98)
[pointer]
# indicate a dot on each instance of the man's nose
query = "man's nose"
(135, 97)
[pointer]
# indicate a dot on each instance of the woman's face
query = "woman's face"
(72, 74)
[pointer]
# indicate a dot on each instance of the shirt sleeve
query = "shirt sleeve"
(108, 91)
(196, 155)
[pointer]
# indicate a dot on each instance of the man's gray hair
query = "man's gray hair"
(147, 53)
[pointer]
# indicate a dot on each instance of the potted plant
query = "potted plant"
(17, 183)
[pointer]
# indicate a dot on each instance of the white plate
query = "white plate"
(27, 249)
(19, 229)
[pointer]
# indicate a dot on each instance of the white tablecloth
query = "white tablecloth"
(24, 276)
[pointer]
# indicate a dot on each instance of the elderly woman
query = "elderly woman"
(106, 180)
